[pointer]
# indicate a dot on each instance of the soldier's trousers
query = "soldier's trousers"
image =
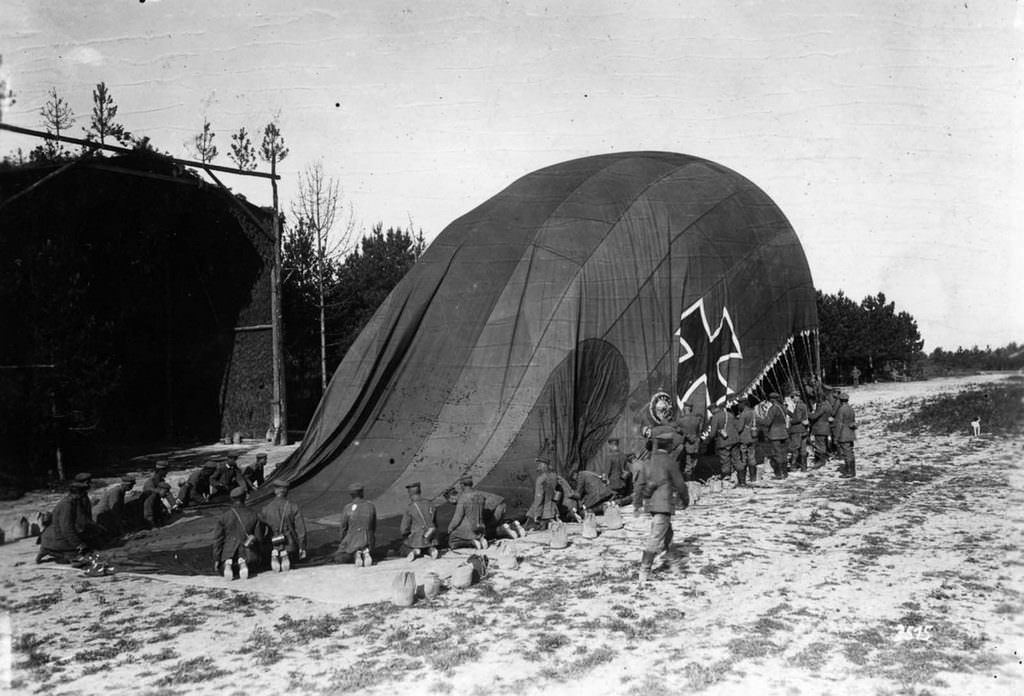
(689, 464)
(728, 459)
(849, 462)
(747, 453)
(798, 450)
(661, 533)
(779, 464)
(819, 444)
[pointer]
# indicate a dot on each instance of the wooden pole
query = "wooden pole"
(279, 410)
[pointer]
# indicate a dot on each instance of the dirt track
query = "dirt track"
(905, 580)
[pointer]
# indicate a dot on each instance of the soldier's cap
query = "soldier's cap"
(355, 488)
(796, 392)
(280, 483)
(775, 395)
(613, 441)
(261, 457)
(688, 405)
(83, 477)
(209, 464)
(162, 465)
(466, 480)
(128, 479)
(412, 486)
(237, 492)
(843, 396)
(232, 456)
(78, 486)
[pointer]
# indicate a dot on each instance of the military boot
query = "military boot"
(243, 569)
(286, 562)
(741, 477)
(752, 472)
(228, 570)
(646, 561)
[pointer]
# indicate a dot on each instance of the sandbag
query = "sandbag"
(16, 528)
(559, 535)
(431, 586)
(696, 491)
(612, 516)
(715, 485)
(479, 563)
(508, 554)
(589, 526)
(403, 589)
(462, 576)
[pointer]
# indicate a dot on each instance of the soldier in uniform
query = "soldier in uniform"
(544, 508)
(592, 490)
(358, 529)
(419, 525)
(746, 424)
(236, 539)
(777, 433)
(467, 528)
(110, 511)
(658, 476)
(287, 529)
(255, 474)
(723, 428)
(197, 487)
(821, 429)
(61, 540)
(157, 502)
(689, 427)
(845, 429)
(227, 477)
(798, 422)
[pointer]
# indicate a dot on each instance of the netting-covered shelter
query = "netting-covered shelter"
(546, 318)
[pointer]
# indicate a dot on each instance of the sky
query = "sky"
(890, 134)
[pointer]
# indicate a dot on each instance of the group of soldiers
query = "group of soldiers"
(780, 431)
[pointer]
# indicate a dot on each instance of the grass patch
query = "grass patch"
(264, 647)
(1000, 407)
(311, 628)
(194, 671)
(812, 657)
(107, 652)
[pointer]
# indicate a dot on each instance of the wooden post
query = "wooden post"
(279, 410)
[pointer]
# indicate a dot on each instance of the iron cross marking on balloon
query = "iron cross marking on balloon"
(703, 353)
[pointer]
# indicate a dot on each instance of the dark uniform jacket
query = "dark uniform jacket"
(724, 428)
(225, 478)
(468, 519)
(282, 516)
(845, 423)
(233, 528)
(544, 506)
(63, 534)
(358, 526)
(591, 489)
(746, 426)
(418, 518)
(654, 484)
(797, 418)
(819, 419)
(110, 510)
(689, 426)
(774, 425)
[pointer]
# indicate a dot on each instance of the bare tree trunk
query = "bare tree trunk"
(323, 323)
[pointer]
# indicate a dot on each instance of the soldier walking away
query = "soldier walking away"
(657, 477)
(287, 529)
(236, 539)
(467, 528)
(723, 427)
(798, 422)
(358, 529)
(419, 525)
(746, 424)
(689, 426)
(821, 429)
(845, 433)
(777, 433)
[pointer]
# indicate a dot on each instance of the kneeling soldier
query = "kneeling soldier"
(358, 529)
(419, 525)
(236, 539)
(287, 529)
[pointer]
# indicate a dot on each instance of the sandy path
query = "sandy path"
(906, 580)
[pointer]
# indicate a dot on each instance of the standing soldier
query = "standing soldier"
(724, 429)
(653, 489)
(287, 529)
(544, 508)
(798, 422)
(236, 539)
(689, 426)
(845, 427)
(820, 416)
(746, 424)
(777, 433)
(467, 527)
(358, 529)
(110, 509)
(419, 525)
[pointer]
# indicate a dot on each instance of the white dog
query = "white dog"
(976, 427)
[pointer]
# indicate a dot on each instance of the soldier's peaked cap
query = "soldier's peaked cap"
(162, 465)
(83, 477)
(414, 485)
(843, 396)
(280, 483)
(775, 395)
(355, 488)
(466, 479)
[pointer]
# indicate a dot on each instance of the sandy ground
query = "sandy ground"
(906, 580)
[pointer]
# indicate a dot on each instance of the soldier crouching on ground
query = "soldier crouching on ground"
(358, 529)
(196, 488)
(419, 525)
(467, 528)
(658, 476)
(236, 539)
(61, 540)
(592, 490)
(544, 508)
(110, 511)
(287, 529)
